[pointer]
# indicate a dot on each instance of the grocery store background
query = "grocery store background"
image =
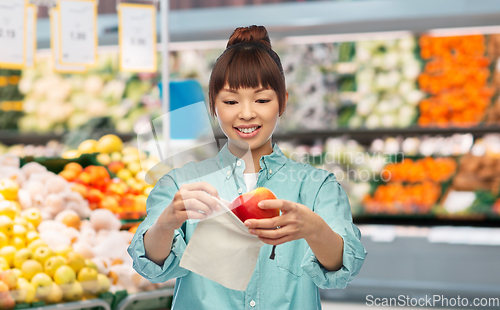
(400, 99)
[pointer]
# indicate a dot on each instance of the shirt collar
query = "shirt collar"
(272, 162)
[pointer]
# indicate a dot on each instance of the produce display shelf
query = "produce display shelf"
(8, 137)
(157, 299)
(94, 304)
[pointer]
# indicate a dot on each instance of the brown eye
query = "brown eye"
(263, 101)
(230, 102)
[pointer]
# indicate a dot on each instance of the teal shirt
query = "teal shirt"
(292, 279)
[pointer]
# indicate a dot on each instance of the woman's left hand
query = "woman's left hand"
(296, 222)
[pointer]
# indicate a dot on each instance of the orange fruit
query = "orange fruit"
(76, 167)
(81, 189)
(72, 220)
(69, 175)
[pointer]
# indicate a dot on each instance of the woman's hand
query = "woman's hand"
(189, 200)
(296, 222)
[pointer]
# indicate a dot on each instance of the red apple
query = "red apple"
(246, 206)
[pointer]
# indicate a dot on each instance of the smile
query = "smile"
(248, 132)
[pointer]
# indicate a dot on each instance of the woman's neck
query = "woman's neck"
(252, 158)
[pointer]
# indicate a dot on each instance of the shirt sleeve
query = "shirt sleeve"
(332, 205)
(159, 198)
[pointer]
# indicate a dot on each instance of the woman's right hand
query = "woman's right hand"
(189, 200)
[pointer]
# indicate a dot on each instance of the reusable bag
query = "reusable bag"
(222, 250)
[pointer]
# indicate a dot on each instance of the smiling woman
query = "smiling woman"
(312, 243)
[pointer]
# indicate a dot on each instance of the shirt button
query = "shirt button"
(229, 172)
(240, 190)
(270, 171)
(238, 163)
(252, 303)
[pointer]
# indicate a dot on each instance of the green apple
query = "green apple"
(76, 261)
(21, 256)
(64, 275)
(88, 278)
(19, 231)
(55, 294)
(3, 240)
(24, 292)
(6, 225)
(4, 264)
(30, 268)
(42, 284)
(33, 245)
(52, 263)
(43, 253)
(18, 243)
(31, 236)
(72, 291)
(91, 264)
(63, 250)
(33, 216)
(103, 283)
(8, 253)
(17, 271)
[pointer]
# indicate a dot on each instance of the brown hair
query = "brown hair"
(248, 62)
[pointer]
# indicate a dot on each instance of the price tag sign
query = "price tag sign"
(137, 37)
(55, 46)
(78, 32)
(31, 11)
(12, 28)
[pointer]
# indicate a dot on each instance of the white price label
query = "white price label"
(12, 27)
(78, 32)
(137, 37)
(31, 11)
(55, 46)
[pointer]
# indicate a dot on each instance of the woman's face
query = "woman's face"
(247, 116)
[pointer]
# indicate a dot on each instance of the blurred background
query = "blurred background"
(400, 99)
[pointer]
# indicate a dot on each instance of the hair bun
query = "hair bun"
(251, 34)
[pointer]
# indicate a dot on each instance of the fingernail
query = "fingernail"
(261, 204)
(247, 223)
(252, 231)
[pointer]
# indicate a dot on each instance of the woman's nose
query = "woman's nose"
(247, 111)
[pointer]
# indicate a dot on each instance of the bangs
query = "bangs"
(251, 69)
(247, 66)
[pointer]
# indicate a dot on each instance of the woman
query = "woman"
(318, 245)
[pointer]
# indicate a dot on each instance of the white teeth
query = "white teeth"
(247, 130)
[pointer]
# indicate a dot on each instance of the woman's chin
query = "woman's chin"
(241, 144)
